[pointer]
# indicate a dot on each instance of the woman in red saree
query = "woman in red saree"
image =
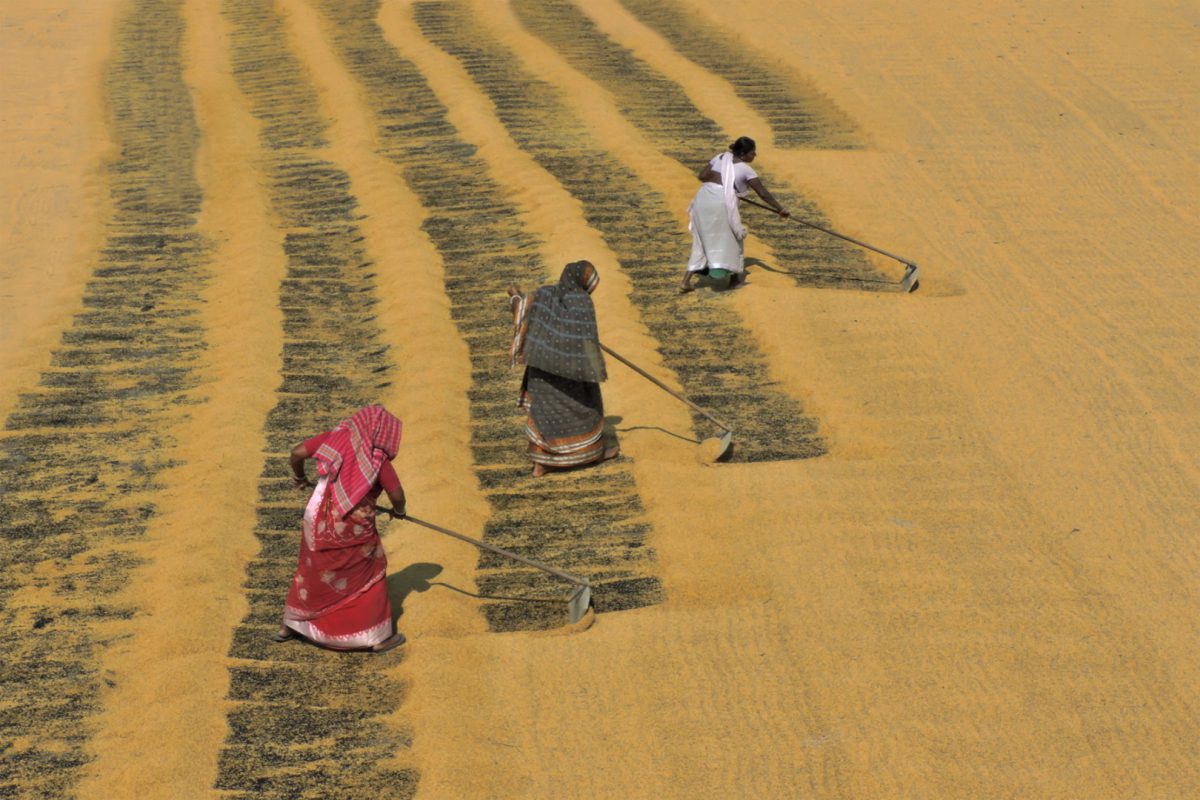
(338, 598)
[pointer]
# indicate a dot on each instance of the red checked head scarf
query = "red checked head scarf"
(354, 452)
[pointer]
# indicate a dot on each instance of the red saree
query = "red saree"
(339, 594)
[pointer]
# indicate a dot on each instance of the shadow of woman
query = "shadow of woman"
(413, 578)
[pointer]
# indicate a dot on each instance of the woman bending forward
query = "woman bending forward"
(338, 598)
(713, 218)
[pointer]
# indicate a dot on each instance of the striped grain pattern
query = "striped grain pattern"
(705, 344)
(84, 451)
(305, 722)
(799, 115)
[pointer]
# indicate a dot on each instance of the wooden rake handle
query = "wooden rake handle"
(903, 261)
(663, 386)
(485, 546)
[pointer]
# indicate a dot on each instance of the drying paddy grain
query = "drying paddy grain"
(952, 554)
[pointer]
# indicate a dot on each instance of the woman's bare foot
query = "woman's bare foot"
(514, 290)
(685, 287)
(611, 453)
(539, 470)
(283, 634)
(395, 640)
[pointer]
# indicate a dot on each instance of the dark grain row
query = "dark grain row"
(84, 451)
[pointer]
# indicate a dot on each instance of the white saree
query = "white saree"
(713, 219)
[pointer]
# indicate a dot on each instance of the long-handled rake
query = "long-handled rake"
(580, 599)
(907, 283)
(717, 447)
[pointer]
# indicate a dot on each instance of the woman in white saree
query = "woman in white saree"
(713, 218)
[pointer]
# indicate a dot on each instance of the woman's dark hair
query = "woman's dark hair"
(743, 145)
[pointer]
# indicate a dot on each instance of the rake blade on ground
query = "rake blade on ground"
(578, 603)
(909, 281)
(714, 449)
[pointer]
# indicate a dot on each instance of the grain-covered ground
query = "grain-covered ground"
(953, 553)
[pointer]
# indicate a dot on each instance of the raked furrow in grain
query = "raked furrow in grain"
(799, 115)
(84, 451)
(306, 722)
(700, 336)
(484, 248)
(661, 109)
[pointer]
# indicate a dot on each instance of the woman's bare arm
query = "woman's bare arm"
(297, 458)
(397, 497)
(762, 192)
